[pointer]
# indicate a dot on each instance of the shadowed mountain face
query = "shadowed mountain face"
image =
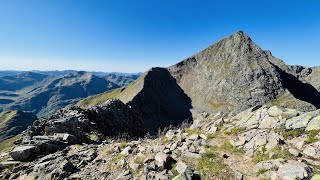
(155, 96)
(234, 74)
(161, 101)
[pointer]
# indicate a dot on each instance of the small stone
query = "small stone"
(238, 175)
(294, 152)
(170, 134)
(126, 151)
(193, 137)
(191, 155)
(203, 136)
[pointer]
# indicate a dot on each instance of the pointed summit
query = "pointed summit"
(232, 75)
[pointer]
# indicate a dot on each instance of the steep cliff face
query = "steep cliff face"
(234, 74)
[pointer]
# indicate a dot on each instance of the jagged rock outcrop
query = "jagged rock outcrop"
(235, 74)
(75, 125)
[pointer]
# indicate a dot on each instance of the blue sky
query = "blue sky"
(134, 35)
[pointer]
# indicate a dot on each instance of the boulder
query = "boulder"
(23, 153)
(313, 150)
(163, 160)
(302, 120)
(314, 124)
(184, 170)
(294, 170)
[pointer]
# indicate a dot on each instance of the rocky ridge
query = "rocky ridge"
(264, 142)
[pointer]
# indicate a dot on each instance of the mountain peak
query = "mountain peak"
(241, 34)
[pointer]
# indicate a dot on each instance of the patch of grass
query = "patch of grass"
(107, 150)
(164, 140)
(99, 99)
(174, 171)
(93, 137)
(117, 158)
(193, 131)
(284, 154)
(235, 131)
(291, 133)
(211, 166)
(211, 135)
(312, 136)
(260, 156)
(231, 149)
(123, 145)
(261, 171)
(5, 117)
(215, 105)
(8, 145)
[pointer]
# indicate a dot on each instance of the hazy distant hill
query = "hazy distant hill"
(121, 80)
(43, 92)
(56, 92)
(20, 81)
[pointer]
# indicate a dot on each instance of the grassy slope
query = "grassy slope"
(5, 117)
(124, 94)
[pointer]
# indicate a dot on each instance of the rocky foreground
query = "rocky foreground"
(259, 143)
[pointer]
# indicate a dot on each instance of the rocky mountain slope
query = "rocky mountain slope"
(235, 73)
(264, 142)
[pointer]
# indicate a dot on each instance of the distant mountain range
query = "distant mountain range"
(44, 93)
(64, 72)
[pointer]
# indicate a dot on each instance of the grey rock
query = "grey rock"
(126, 151)
(294, 170)
(190, 155)
(23, 153)
(313, 150)
(294, 152)
(163, 160)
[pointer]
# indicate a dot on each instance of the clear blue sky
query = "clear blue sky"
(134, 35)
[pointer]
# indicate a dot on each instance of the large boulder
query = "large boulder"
(23, 153)
(294, 170)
